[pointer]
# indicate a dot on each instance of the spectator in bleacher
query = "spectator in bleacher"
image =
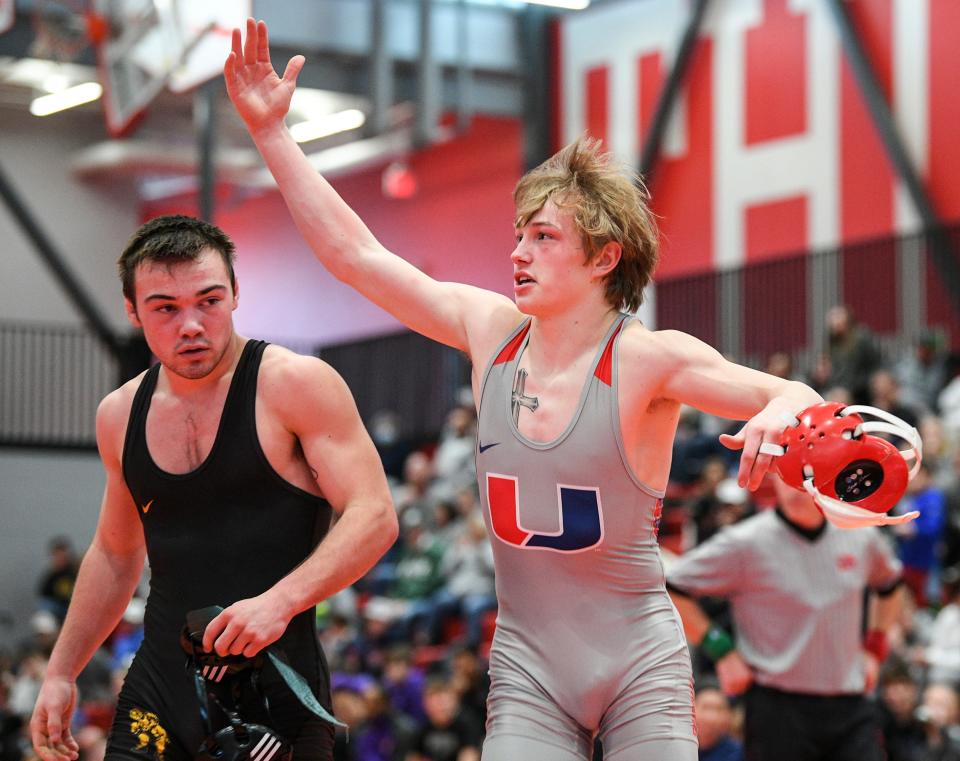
(701, 499)
(839, 394)
(468, 503)
(951, 540)
(884, 393)
(385, 734)
(714, 722)
(404, 683)
(339, 634)
(26, 684)
(939, 453)
(56, 584)
(948, 400)
(923, 373)
(446, 523)
(350, 708)
(454, 466)
(918, 542)
(853, 355)
(940, 714)
(12, 742)
(942, 654)
(407, 604)
(780, 364)
(418, 574)
(903, 733)
(733, 503)
(450, 734)
(692, 448)
(413, 491)
(820, 374)
(44, 630)
(468, 675)
(469, 590)
(385, 432)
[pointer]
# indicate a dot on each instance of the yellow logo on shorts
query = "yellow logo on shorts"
(145, 726)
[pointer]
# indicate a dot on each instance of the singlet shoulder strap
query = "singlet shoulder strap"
(604, 368)
(507, 351)
(239, 410)
(136, 423)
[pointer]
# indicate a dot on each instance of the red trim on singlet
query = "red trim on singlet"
(604, 369)
(509, 351)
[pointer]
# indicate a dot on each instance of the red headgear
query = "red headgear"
(849, 473)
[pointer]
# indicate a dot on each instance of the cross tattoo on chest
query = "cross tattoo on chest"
(519, 399)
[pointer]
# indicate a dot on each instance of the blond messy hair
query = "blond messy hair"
(609, 203)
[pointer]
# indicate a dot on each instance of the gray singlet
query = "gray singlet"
(587, 639)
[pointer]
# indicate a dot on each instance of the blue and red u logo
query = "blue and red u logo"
(581, 517)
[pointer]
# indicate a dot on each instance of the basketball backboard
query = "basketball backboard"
(147, 45)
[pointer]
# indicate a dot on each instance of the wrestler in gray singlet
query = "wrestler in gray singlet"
(587, 639)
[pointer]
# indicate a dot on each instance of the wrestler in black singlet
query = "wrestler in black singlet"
(224, 532)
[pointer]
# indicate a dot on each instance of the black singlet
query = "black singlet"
(226, 531)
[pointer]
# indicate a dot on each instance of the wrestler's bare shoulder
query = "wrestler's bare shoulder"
(656, 352)
(113, 414)
(490, 318)
(286, 375)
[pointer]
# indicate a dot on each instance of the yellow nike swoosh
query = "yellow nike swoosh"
(146, 507)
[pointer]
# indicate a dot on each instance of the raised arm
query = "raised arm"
(107, 579)
(338, 237)
(316, 406)
(698, 375)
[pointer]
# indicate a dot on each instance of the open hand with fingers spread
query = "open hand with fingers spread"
(261, 97)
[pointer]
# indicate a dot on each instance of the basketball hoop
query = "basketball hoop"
(146, 45)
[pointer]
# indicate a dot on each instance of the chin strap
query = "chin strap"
(844, 515)
(893, 425)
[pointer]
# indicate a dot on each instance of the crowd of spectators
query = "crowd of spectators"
(407, 644)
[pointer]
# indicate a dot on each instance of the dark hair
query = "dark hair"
(169, 240)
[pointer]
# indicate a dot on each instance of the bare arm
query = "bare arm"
(338, 237)
(698, 375)
(318, 408)
(733, 673)
(107, 579)
(883, 612)
(885, 609)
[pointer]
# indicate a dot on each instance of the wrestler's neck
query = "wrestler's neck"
(186, 388)
(558, 338)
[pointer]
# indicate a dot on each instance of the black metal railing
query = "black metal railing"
(753, 311)
(52, 378)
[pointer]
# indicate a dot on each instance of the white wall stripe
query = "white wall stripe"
(911, 86)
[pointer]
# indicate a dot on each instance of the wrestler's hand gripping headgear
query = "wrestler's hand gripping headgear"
(853, 477)
(239, 740)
